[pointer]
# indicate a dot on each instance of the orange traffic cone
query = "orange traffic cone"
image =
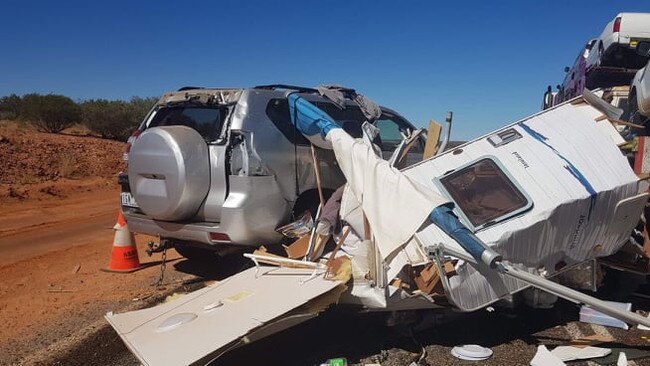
(124, 256)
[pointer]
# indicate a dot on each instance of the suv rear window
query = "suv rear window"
(484, 193)
(207, 121)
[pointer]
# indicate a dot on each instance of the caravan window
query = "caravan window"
(484, 193)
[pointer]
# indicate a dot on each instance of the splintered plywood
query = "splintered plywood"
(433, 137)
(202, 324)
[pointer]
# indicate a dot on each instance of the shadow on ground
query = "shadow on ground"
(216, 268)
(365, 337)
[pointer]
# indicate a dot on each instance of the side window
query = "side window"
(484, 193)
(278, 112)
(389, 132)
(392, 133)
(349, 118)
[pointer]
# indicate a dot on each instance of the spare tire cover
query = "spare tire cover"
(169, 172)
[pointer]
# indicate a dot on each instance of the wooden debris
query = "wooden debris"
(591, 340)
(428, 279)
(433, 137)
(262, 256)
(624, 123)
(297, 249)
(319, 246)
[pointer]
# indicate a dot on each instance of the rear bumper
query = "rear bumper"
(254, 208)
(196, 231)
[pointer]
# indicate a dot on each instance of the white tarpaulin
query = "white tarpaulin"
(395, 205)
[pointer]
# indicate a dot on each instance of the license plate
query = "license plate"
(128, 200)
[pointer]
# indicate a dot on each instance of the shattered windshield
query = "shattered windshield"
(207, 121)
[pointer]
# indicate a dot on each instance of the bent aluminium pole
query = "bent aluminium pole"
(482, 254)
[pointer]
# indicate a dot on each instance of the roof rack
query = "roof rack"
(285, 86)
(190, 88)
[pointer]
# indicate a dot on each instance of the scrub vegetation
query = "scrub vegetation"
(53, 113)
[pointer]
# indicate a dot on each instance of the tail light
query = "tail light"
(130, 142)
(219, 237)
(617, 25)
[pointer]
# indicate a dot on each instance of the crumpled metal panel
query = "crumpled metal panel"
(575, 176)
(206, 96)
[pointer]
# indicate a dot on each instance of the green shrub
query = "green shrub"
(10, 106)
(51, 113)
(112, 119)
(115, 119)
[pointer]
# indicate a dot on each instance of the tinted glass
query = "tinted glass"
(206, 121)
(483, 192)
(278, 112)
(351, 118)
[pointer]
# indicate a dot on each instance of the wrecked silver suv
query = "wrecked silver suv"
(219, 168)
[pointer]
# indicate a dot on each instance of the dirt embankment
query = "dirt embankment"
(39, 166)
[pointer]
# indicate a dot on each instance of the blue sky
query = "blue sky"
(488, 61)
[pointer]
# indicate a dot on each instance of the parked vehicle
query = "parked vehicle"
(607, 61)
(219, 168)
(575, 78)
(640, 90)
(616, 44)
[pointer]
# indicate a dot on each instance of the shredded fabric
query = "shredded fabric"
(395, 205)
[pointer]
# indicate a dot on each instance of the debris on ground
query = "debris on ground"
(341, 361)
(570, 353)
(544, 357)
(631, 353)
(622, 359)
(589, 315)
(173, 296)
(471, 352)
(591, 340)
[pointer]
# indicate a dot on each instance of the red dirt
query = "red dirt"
(56, 236)
(40, 165)
(44, 295)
